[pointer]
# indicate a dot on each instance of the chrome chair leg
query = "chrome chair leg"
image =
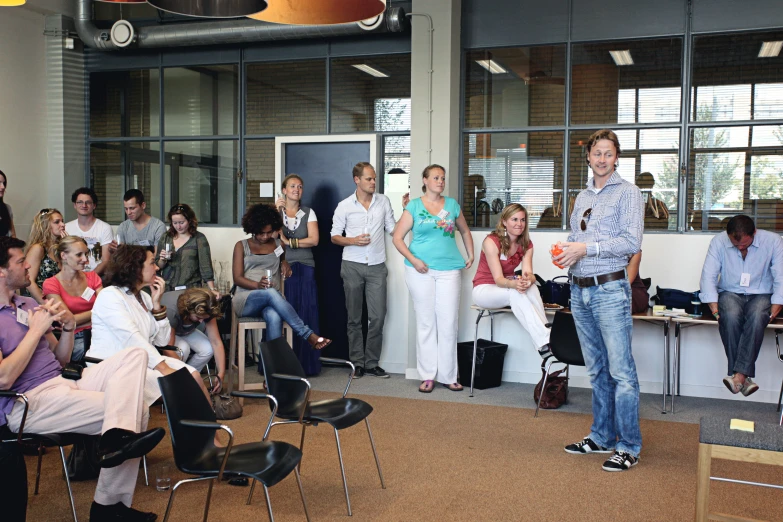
(68, 483)
(374, 452)
(543, 386)
(250, 495)
(174, 492)
(301, 447)
(209, 497)
(38, 471)
(342, 471)
(269, 504)
(144, 464)
(301, 493)
(475, 349)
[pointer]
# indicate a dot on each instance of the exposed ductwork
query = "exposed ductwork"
(231, 31)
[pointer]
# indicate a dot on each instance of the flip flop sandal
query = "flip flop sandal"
(453, 387)
(426, 386)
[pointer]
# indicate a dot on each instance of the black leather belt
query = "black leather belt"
(586, 282)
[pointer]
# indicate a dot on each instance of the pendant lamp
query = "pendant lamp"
(12, 3)
(122, 1)
(210, 8)
(319, 12)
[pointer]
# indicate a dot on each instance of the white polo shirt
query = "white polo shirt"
(351, 217)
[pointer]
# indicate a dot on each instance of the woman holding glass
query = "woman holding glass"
(183, 253)
(48, 228)
(6, 214)
(75, 288)
(300, 235)
(433, 265)
(496, 286)
(257, 266)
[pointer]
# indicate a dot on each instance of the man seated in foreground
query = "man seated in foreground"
(107, 400)
(742, 283)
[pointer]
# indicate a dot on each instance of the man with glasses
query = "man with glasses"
(607, 225)
(96, 233)
(140, 228)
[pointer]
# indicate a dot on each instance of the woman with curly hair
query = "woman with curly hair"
(257, 266)
(6, 214)
(124, 316)
(48, 228)
(433, 266)
(300, 235)
(197, 306)
(496, 286)
(183, 253)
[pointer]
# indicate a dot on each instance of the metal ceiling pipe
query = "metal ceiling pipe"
(224, 31)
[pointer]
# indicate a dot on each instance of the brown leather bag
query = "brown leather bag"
(556, 391)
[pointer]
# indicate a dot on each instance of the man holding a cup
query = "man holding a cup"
(363, 216)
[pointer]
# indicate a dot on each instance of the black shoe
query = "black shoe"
(620, 461)
(586, 446)
(359, 372)
(378, 372)
(118, 445)
(119, 512)
(545, 352)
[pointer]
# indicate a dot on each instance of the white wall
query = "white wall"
(23, 129)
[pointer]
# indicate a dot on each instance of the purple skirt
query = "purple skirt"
(302, 294)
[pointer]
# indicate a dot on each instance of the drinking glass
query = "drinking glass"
(163, 477)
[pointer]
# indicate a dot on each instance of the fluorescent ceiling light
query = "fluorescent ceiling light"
(622, 57)
(372, 71)
(492, 66)
(770, 49)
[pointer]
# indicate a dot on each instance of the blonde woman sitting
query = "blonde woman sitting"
(496, 286)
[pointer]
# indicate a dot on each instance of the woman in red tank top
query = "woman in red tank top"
(496, 286)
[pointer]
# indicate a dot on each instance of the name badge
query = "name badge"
(745, 279)
(279, 251)
(300, 214)
(144, 242)
(443, 214)
(503, 257)
(21, 316)
(177, 288)
(88, 293)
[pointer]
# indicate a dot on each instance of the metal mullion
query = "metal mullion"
(567, 122)
(203, 138)
(686, 77)
(329, 89)
(736, 123)
(134, 139)
(485, 130)
(161, 134)
(627, 126)
(242, 196)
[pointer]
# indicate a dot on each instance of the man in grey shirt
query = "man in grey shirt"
(140, 228)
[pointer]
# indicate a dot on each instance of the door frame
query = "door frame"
(282, 141)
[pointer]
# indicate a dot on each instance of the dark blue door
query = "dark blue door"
(326, 171)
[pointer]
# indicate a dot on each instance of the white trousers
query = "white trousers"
(527, 307)
(196, 349)
(109, 395)
(435, 298)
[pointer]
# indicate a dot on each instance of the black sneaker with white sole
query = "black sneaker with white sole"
(620, 461)
(586, 446)
(377, 372)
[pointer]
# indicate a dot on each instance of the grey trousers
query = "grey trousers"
(360, 280)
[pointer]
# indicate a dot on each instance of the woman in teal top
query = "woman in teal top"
(432, 273)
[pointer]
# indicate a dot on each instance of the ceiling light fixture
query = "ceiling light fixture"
(210, 8)
(770, 49)
(622, 58)
(492, 66)
(320, 12)
(372, 71)
(12, 3)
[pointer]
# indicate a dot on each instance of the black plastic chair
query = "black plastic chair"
(48, 440)
(286, 380)
(192, 425)
(566, 349)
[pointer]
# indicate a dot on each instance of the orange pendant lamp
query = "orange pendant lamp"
(121, 1)
(211, 8)
(319, 12)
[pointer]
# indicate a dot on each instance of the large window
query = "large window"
(176, 133)
(729, 160)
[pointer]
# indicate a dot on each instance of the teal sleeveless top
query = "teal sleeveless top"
(433, 237)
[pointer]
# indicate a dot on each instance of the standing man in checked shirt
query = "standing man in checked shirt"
(362, 217)
(607, 225)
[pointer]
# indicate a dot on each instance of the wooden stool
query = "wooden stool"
(718, 441)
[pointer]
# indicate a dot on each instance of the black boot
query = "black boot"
(119, 512)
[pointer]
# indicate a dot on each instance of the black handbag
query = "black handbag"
(555, 291)
(673, 298)
(83, 459)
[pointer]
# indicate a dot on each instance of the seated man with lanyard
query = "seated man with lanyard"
(742, 283)
(108, 399)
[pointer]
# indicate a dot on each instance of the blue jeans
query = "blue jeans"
(273, 307)
(603, 322)
(743, 319)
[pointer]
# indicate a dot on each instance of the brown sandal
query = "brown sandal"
(453, 386)
(318, 343)
(426, 386)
